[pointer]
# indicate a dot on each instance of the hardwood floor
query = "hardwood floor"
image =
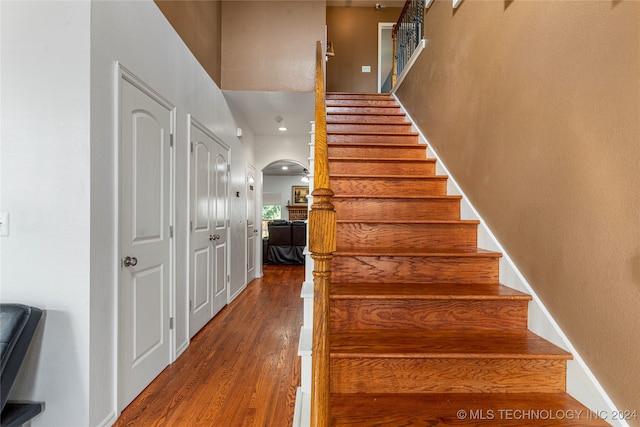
(241, 369)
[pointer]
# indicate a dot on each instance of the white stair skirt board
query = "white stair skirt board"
(304, 351)
(302, 411)
(581, 383)
(307, 297)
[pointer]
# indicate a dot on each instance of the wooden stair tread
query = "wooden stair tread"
(442, 409)
(338, 93)
(377, 145)
(417, 221)
(455, 344)
(413, 252)
(377, 122)
(374, 159)
(365, 133)
(356, 113)
(387, 177)
(358, 103)
(431, 291)
(398, 198)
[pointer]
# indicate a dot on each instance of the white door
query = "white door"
(252, 230)
(144, 348)
(208, 247)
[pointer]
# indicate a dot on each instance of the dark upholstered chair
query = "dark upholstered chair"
(18, 324)
(280, 251)
(299, 240)
(286, 242)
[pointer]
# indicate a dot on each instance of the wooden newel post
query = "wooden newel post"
(322, 244)
(321, 223)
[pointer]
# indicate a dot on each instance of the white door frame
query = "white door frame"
(256, 249)
(381, 26)
(122, 73)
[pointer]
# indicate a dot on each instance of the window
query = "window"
(269, 212)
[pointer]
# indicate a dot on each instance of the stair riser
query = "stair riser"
(376, 168)
(363, 110)
(426, 269)
(368, 127)
(401, 210)
(361, 102)
(366, 118)
(447, 375)
(427, 314)
(381, 152)
(373, 138)
(408, 236)
(389, 187)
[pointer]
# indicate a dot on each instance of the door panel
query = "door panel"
(209, 198)
(201, 295)
(144, 279)
(221, 219)
(202, 270)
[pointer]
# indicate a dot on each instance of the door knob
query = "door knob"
(130, 261)
(211, 237)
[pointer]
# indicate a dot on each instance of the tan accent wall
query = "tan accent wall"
(271, 45)
(354, 34)
(198, 24)
(535, 108)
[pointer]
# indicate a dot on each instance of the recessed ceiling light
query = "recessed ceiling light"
(284, 168)
(282, 129)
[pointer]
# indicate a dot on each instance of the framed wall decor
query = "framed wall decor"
(299, 195)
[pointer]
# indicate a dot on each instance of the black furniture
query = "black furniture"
(18, 324)
(286, 242)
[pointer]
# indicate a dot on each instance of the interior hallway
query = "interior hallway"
(241, 369)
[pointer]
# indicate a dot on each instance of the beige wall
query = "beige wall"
(198, 24)
(354, 34)
(535, 108)
(271, 45)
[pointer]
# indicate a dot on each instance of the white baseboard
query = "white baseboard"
(109, 420)
(581, 383)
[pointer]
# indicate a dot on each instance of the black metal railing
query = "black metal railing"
(407, 34)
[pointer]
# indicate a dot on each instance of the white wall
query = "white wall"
(59, 183)
(45, 187)
(269, 149)
(282, 185)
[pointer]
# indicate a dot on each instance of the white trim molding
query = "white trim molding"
(581, 383)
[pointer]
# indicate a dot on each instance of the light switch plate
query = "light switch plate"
(4, 224)
(366, 68)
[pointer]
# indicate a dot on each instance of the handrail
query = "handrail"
(407, 33)
(322, 244)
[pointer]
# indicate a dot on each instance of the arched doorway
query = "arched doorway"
(285, 186)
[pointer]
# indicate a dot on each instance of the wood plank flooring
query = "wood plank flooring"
(241, 369)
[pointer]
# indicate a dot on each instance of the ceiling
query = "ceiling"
(260, 109)
(275, 168)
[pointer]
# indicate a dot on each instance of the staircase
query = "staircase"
(421, 331)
